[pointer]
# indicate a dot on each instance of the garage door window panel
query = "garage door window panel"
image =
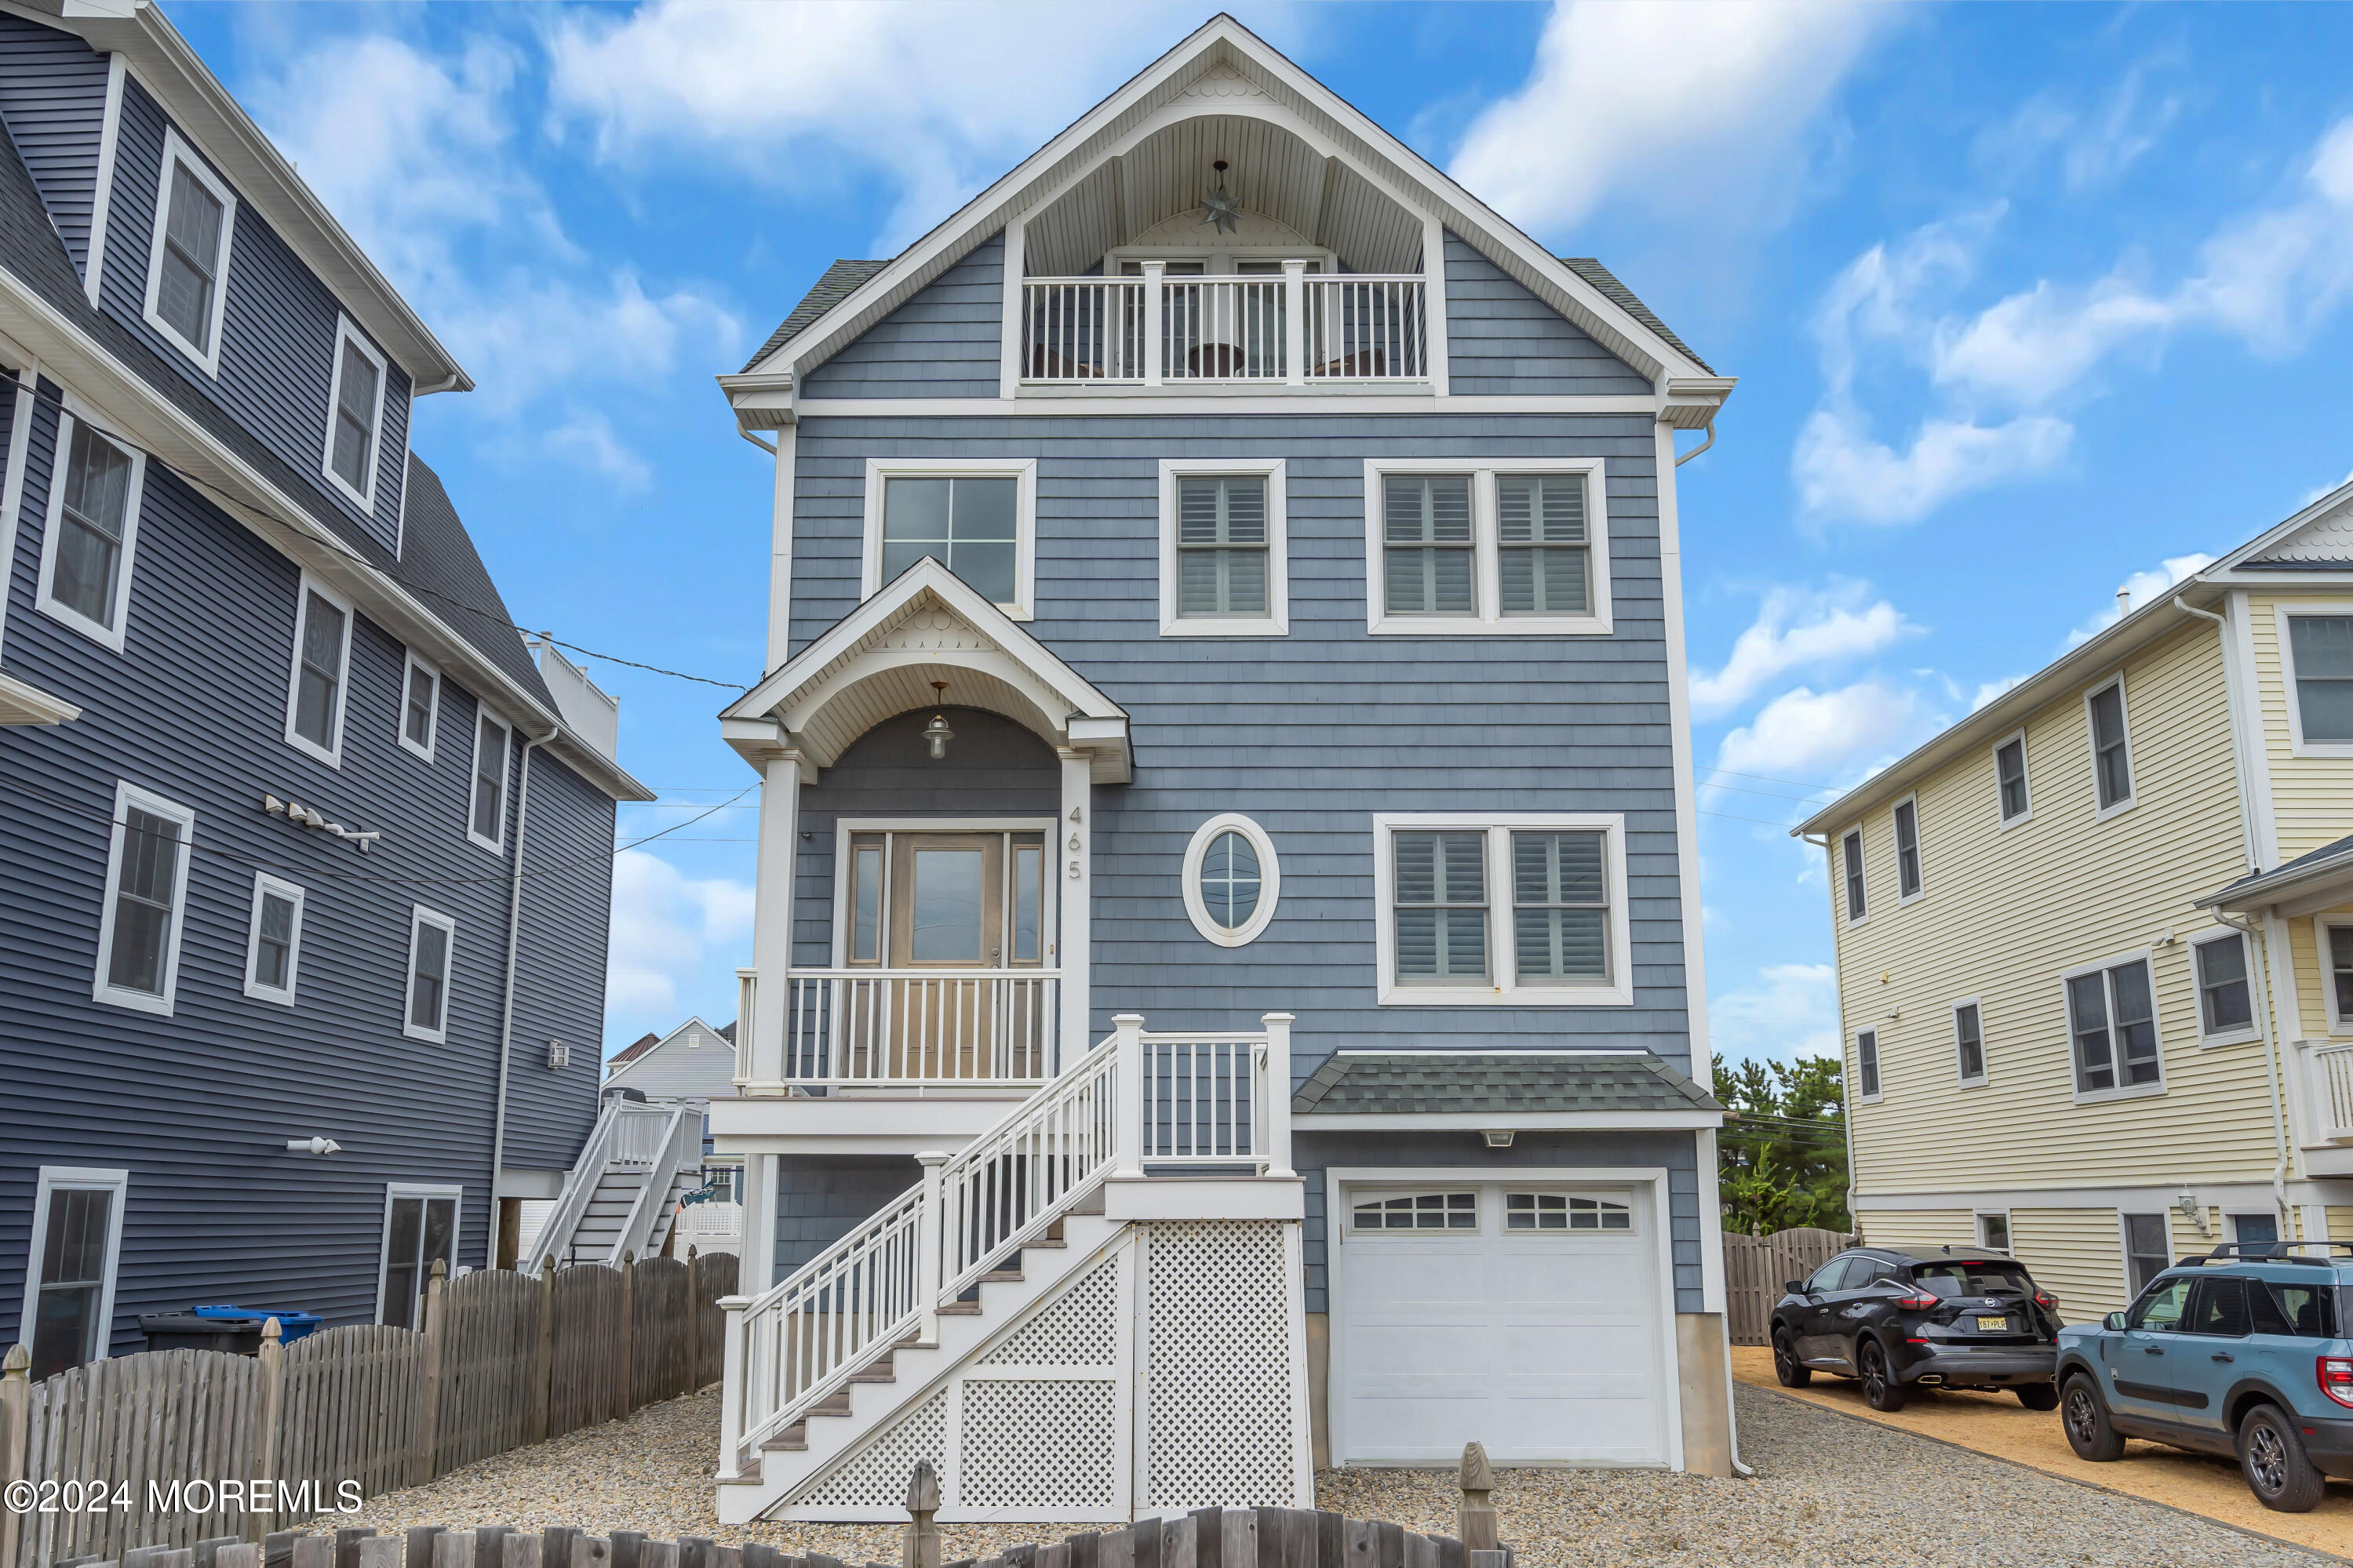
(1416, 1211)
(1564, 1212)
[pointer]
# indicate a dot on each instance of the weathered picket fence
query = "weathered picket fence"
(1757, 1267)
(172, 1447)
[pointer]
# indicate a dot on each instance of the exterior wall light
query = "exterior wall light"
(937, 732)
(313, 1146)
(1498, 1138)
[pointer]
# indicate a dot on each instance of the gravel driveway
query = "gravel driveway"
(1829, 1490)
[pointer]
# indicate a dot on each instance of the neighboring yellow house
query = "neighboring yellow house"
(2095, 940)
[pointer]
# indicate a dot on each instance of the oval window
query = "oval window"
(1231, 879)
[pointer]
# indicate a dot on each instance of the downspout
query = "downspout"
(506, 1006)
(1703, 447)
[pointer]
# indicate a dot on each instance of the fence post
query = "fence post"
(1475, 1521)
(1274, 1117)
(258, 1521)
(1128, 1079)
(920, 1546)
(543, 1366)
(624, 1360)
(929, 1238)
(693, 1321)
(428, 1421)
(731, 1391)
(15, 1439)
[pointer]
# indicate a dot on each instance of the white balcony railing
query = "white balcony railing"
(1205, 1098)
(705, 1224)
(2328, 1089)
(846, 1027)
(1290, 329)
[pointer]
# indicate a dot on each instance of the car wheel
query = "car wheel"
(1879, 1389)
(2272, 1456)
(1791, 1372)
(2038, 1395)
(2084, 1415)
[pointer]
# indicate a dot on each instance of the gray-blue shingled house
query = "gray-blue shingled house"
(304, 859)
(1227, 980)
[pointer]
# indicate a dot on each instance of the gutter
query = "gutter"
(506, 1006)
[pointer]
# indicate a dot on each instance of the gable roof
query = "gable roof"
(1601, 278)
(840, 281)
(1501, 1083)
(631, 1052)
(1273, 82)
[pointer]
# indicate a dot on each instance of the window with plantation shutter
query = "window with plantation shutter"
(1429, 563)
(187, 267)
(1518, 909)
(1221, 545)
(1560, 898)
(1541, 556)
(1513, 548)
(1442, 907)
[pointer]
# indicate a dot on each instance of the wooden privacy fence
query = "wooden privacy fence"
(1757, 1267)
(176, 1448)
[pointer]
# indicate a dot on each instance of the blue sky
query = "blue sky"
(2028, 304)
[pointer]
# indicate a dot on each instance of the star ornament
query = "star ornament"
(1222, 209)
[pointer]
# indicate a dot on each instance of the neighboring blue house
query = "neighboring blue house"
(304, 860)
(1226, 720)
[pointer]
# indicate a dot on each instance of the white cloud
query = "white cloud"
(1988, 689)
(1794, 628)
(1828, 736)
(1700, 107)
(665, 927)
(2137, 590)
(587, 437)
(1791, 1011)
(2324, 490)
(2094, 145)
(1843, 471)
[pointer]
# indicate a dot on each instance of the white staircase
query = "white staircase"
(621, 1195)
(988, 1318)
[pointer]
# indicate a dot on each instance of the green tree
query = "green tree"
(1781, 1158)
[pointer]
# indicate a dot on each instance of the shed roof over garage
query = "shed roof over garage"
(1505, 1083)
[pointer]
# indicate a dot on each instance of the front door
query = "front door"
(945, 915)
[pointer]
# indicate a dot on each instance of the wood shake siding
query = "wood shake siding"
(2004, 912)
(1502, 340)
(946, 342)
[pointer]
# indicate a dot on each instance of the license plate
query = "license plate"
(1993, 1325)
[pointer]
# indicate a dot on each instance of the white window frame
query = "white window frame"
(1269, 879)
(484, 712)
(2026, 776)
(2008, 1243)
(2318, 609)
(330, 755)
(878, 471)
(846, 828)
(1984, 1074)
(126, 796)
(1862, 875)
(418, 917)
(1276, 622)
(1878, 1067)
(1486, 575)
(176, 150)
(2252, 1028)
(393, 1190)
(410, 664)
(1504, 990)
(111, 637)
(2091, 745)
(2340, 1023)
(2232, 1216)
(75, 1178)
(263, 884)
(1919, 851)
(2115, 1046)
(345, 332)
(2164, 1215)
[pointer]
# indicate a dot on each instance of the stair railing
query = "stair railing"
(579, 1185)
(660, 1184)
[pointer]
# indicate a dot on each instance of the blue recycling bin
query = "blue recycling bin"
(291, 1326)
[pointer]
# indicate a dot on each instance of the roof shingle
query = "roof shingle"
(1428, 1082)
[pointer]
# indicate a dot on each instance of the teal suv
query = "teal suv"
(2244, 1352)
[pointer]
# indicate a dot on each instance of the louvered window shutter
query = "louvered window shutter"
(1429, 560)
(1442, 907)
(1221, 546)
(1543, 557)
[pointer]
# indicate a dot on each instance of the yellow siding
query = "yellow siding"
(2004, 912)
(2313, 978)
(2340, 1223)
(2077, 1255)
(2312, 798)
(1919, 1227)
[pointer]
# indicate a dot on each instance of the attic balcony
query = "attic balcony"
(1294, 327)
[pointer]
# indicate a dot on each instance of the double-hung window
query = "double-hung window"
(1486, 548)
(978, 519)
(2112, 1020)
(92, 531)
(432, 951)
(1522, 910)
(1969, 1041)
(1222, 549)
(274, 945)
(2336, 951)
(2112, 768)
(2226, 1002)
(2010, 775)
(486, 805)
(1851, 872)
(354, 416)
(69, 1294)
(1866, 1065)
(187, 269)
(420, 706)
(146, 901)
(2319, 669)
(1908, 849)
(323, 651)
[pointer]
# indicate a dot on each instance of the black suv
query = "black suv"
(1893, 1316)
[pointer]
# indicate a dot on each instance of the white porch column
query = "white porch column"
(759, 1256)
(1294, 324)
(1275, 1115)
(1155, 306)
(1073, 832)
(1127, 1119)
(772, 916)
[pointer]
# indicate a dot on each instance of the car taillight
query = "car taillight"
(2046, 1300)
(1919, 1303)
(2337, 1378)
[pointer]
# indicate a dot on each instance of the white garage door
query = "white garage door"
(1525, 1316)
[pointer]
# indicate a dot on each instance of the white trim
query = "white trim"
(1505, 989)
(394, 1190)
(418, 918)
(1084, 400)
(486, 714)
(1276, 622)
(2238, 667)
(118, 65)
(2338, 1025)
(1487, 618)
(177, 152)
(2164, 1213)
(1849, 881)
(75, 1178)
(845, 827)
(134, 500)
(1919, 855)
(1269, 885)
(2282, 614)
(2230, 1217)
(2252, 1028)
(878, 471)
(1878, 1067)
(780, 548)
(346, 332)
(264, 884)
(2025, 776)
(2142, 956)
(1985, 1061)
(411, 662)
(408, 450)
(1662, 1222)
(12, 472)
(2091, 743)
(2142, 1198)
(2008, 1242)
(1515, 1121)
(126, 796)
(1678, 729)
(330, 755)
